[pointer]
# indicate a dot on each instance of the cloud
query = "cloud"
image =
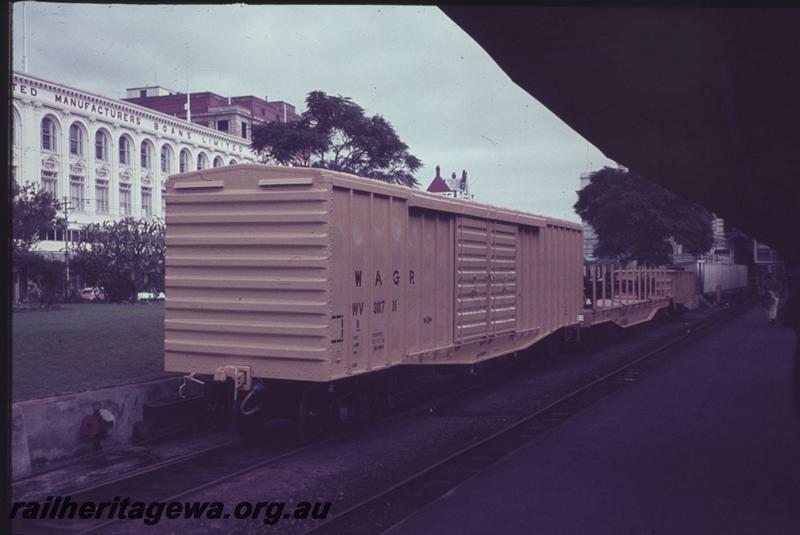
(444, 95)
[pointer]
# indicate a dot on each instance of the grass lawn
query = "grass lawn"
(84, 346)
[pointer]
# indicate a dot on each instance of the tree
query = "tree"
(124, 257)
(42, 278)
(333, 133)
(635, 219)
(34, 213)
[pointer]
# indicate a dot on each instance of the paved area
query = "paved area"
(704, 444)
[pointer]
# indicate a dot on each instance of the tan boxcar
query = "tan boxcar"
(307, 274)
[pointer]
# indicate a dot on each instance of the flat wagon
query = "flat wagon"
(311, 275)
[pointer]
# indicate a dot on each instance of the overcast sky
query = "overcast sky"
(444, 95)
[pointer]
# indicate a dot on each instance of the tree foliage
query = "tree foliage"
(35, 212)
(334, 133)
(42, 278)
(635, 219)
(124, 257)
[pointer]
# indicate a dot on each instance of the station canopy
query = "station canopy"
(705, 102)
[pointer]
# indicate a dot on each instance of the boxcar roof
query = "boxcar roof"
(215, 177)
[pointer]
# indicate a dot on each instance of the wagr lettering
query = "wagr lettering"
(358, 275)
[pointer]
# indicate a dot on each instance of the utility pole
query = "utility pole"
(66, 243)
(188, 95)
(25, 37)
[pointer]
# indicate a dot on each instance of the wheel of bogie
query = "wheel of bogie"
(312, 413)
(348, 409)
(672, 309)
(478, 370)
(357, 408)
(374, 405)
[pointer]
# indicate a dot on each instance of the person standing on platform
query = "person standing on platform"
(774, 292)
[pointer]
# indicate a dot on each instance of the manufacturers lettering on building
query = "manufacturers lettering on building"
(128, 117)
(100, 110)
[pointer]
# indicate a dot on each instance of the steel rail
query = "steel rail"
(43, 526)
(351, 519)
(425, 405)
(176, 462)
(95, 455)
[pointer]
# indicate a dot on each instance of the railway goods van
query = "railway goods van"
(311, 275)
(722, 277)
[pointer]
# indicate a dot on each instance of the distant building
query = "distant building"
(458, 188)
(720, 252)
(233, 115)
(108, 158)
(765, 262)
(589, 235)
(718, 228)
(763, 254)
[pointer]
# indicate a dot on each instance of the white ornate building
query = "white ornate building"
(108, 158)
(589, 235)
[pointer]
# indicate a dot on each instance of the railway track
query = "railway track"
(178, 477)
(166, 480)
(390, 507)
(102, 455)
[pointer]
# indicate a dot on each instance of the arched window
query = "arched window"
(49, 135)
(184, 163)
(147, 155)
(101, 146)
(218, 161)
(202, 161)
(124, 150)
(232, 162)
(166, 159)
(75, 140)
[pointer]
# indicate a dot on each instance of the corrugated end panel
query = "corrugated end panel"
(246, 276)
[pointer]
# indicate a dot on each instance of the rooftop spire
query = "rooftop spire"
(438, 185)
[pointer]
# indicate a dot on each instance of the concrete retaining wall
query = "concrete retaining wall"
(49, 429)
